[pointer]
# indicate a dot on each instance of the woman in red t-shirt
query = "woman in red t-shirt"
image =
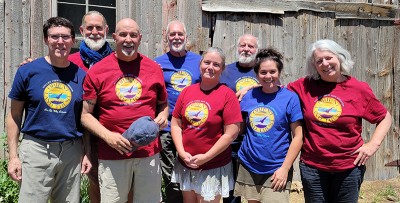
(205, 121)
(333, 157)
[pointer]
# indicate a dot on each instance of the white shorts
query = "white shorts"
(208, 183)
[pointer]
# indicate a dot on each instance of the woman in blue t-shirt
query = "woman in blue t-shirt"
(273, 134)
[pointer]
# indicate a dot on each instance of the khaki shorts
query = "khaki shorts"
(116, 177)
(258, 187)
(50, 170)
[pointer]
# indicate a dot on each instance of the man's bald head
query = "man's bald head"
(127, 39)
(127, 23)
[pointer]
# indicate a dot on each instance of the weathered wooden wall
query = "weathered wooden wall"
(374, 44)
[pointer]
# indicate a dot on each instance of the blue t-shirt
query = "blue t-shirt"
(268, 134)
(179, 72)
(53, 99)
(237, 77)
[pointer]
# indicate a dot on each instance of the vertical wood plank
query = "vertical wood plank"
(4, 76)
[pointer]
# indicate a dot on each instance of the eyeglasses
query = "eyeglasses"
(63, 37)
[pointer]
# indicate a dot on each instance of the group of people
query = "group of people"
(74, 109)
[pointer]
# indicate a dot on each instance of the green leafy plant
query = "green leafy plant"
(9, 189)
(84, 189)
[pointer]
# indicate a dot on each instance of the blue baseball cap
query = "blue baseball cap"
(143, 131)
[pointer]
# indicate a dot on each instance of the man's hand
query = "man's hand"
(27, 60)
(14, 169)
(240, 94)
(118, 142)
(86, 165)
(161, 121)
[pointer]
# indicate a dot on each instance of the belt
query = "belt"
(48, 143)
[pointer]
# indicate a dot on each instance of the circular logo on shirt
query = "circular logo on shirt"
(245, 82)
(327, 109)
(128, 89)
(196, 113)
(180, 80)
(57, 95)
(261, 119)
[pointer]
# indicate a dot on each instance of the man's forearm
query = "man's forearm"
(93, 126)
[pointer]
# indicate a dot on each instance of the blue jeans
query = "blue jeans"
(331, 187)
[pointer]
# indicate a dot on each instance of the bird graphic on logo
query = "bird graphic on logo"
(57, 95)
(196, 113)
(261, 119)
(327, 109)
(261, 124)
(180, 80)
(128, 89)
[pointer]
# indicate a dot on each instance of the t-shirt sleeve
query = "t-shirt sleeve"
(294, 109)
(374, 110)
(295, 85)
(231, 112)
(90, 87)
(179, 104)
(162, 91)
(18, 88)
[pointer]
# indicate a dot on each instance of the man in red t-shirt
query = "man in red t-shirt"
(125, 86)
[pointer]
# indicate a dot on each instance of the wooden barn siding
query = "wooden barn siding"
(153, 17)
(373, 44)
(21, 34)
(2, 74)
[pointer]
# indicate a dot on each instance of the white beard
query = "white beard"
(130, 53)
(95, 45)
(243, 59)
(177, 49)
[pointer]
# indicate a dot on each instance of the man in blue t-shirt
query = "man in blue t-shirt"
(181, 68)
(49, 92)
(236, 76)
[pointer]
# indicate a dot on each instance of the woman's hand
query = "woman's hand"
(199, 159)
(364, 153)
(279, 179)
(187, 158)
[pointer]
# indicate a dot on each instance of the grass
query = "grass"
(386, 194)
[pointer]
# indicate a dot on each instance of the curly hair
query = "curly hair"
(268, 54)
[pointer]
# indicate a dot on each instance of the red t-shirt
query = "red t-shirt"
(203, 115)
(76, 58)
(333, 114)
(125, 91)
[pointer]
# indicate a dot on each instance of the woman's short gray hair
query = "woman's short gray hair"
(346, 63)
(218, 51)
